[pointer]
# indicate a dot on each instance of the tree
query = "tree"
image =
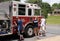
(54, 6)
(31, 1)
(39, 2)
(59, 5)
(46, 8)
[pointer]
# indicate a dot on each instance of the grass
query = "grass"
(53, 20)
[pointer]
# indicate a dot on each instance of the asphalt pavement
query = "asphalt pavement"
(51, 31)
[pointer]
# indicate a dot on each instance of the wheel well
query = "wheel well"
(29, 24)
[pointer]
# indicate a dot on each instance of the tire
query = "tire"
(29, 31)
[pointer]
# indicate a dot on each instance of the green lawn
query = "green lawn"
(53, 20)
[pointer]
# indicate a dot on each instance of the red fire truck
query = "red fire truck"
(17, 10)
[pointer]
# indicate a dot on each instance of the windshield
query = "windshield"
(37, 12)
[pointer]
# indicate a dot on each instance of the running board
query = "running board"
(6, 34)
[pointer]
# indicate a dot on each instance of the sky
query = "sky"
(51, 1)
(48, 1)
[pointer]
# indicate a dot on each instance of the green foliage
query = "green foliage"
(39, 2)
(37, 12)
(45, 9)
(59, 5)
(30, 1)
(4, 0)
(56, 5)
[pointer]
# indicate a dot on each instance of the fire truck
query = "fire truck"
(12, 11)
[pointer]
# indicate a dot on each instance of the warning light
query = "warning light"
(31, 5)
(14, 4)
(28, 6)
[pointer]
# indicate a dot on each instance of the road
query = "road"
(54, 29)
(51, 31)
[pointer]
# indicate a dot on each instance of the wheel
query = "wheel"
(29, 31)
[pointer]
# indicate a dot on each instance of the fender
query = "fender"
(29, 23)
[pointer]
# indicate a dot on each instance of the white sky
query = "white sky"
(51, 1)
(22, 0)
(48, 1)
